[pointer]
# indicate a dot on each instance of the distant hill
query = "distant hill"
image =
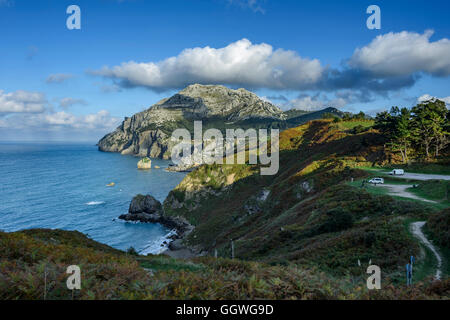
(292, 113)
(147, 133)
(314, 115)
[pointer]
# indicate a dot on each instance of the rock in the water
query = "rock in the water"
(146, 204)
(144, 163)
(148, 209)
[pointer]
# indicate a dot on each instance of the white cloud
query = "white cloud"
(28, 114)
(402, 54)
(307, 103)
(390, 62)
(68, 102)
(101, 120)
(239, 63)
(58, 77)
(316, 102)
(22, 101)
(427, 97)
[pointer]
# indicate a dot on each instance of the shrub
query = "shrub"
(338, 220)
(132, 251)
(439, 227)
(359, 129)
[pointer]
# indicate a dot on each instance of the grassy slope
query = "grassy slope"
(311, 217)
(107, 273)
(440, 167)
(437, 190)
(421, 191)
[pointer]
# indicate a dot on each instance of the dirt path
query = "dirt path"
(400, 190)
(416, 228)
(423, 176)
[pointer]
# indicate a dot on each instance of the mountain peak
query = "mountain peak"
(204, 90)
(147, 133)
(232, 104)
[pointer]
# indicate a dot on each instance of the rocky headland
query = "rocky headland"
(148, 133)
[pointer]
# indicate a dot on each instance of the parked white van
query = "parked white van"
(376, 181)
(397, 172)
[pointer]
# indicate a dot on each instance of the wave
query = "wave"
(158, 246)
(94, 203)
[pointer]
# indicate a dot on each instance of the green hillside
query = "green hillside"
(305, 233)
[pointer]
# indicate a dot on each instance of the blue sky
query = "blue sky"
(60, 84)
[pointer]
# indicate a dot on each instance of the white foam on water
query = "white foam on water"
(158, 246)
(94, 203)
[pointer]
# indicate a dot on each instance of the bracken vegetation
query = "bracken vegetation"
(439, 227)
(33, 266)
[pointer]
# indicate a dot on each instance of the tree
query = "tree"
(360, 115)
(384, 123)
(443, 136)
(395, 125)
(402, 130)
(429, 122)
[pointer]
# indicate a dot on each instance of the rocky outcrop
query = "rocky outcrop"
(147, 133)
(147, 203)
(148, 209)
(144, 163)
(180, 168)
(255, 203)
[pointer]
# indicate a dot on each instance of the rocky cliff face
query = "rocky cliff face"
(148, 133)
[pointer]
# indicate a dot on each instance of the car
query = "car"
(376, 181)
(397, 172)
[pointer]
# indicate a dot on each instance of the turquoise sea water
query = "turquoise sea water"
(64, 186)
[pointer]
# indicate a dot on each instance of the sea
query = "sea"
(64, 186)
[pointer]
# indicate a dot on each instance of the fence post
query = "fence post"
(232, 249)
(45, 283)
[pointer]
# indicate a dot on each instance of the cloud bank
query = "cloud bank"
(240, 63)
(388, 63)
(403, 54)
(51, 121)
(23, 111)
(22, 101)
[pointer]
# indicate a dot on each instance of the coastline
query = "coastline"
(180, 229)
